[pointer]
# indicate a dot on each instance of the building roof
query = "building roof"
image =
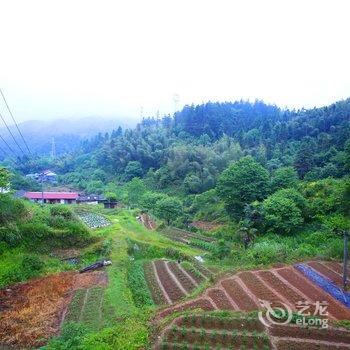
(91, 197)
(52, 195)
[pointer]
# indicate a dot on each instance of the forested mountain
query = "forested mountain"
(190, 149)
(67, 133)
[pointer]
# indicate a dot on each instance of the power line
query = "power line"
(13, 118)
(9, 130)
(8, 146)
(2, 151)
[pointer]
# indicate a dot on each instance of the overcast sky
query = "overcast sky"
(109, 58)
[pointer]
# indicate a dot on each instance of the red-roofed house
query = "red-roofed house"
(52, 197)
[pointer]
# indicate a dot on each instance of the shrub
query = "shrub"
(34, 231)
(62, 211)
(11, 235)
(30, 266)
(74, 234)
(71, 338)
(11, 210)
(267, 253)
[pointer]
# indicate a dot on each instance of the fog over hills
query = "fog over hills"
(67, 133)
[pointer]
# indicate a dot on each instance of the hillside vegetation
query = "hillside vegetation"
(240, 185)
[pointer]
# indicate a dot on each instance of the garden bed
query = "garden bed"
(318, 334)
(92, 220)
(185, 281)
(313, 292)
(280, 287)
(325, 271)
(258, 288)
(168, 283)
(220, 300)
(156, 292)
(238, 295)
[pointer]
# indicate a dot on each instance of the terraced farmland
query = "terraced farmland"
(190, 238)
(238, 331)
(169, 282)
(244, 290)
(86, 308)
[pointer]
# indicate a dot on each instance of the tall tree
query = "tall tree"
(242, 183)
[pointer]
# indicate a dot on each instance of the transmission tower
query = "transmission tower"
(176, 99)
(53, 148)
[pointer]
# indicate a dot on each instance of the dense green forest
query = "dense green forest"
(251, 165)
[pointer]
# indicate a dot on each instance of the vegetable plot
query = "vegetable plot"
(206, 331)
(169, 281)
(278, 286)
(93, 220)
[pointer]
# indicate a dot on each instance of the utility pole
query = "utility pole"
(345, 259)
(42, 189)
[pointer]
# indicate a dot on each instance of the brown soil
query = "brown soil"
(204, 225)
(287, 293)
(335, 266)
(153, 285)
(325, 271)
(198, 278)
(201, 303)
(90, 279)
(313, 292)
(173, 291)
(214, 338)
(238, 295)
(295, 344)
(258, 288)
(181, 277)
(219, 299)
(331, 334)
(147, 221)
(227, 323)
(34, 309)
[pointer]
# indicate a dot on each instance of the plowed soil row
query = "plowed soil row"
(181, 277)
(238, 295)
(314, 293)
(199, 278)
(321, 334)
(167, 282)
(279, 285)
(215, 338)
(152, 282)
(326, 272)
(220, 300)
(335, 266)
(300, 344)
(224, 323)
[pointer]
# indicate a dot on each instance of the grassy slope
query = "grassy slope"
(126, 324)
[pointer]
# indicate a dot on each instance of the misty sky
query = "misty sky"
(83, 58)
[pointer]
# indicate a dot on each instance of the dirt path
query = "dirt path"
(83, 306)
